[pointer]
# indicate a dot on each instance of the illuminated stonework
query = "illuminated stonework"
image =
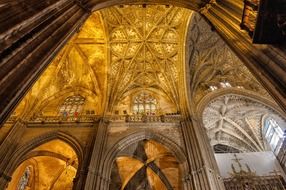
(146, 49)
(237, 121)
(212, 64)
(52, 165)
(78, 69)
(150, 166)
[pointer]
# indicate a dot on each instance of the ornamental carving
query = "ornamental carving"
(237, 121)
(146, 48)
(212, 65)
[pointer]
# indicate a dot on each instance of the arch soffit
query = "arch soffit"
(47, 153)
(138, 136)
(24, 150)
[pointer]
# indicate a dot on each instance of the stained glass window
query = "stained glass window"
(72, 105)
(145, 103)
(23, 182)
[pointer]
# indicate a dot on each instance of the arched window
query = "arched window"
(273, 134)
(72, 105)
(23, 182)
(145, 103)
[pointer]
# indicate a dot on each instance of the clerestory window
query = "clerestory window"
(145, 103)
(72, 106)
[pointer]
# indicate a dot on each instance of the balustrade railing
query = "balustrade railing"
(95, 118)
(56, 119)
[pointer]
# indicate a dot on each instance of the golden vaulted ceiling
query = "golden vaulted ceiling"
(125, 50)
(118, 52)
(122, 51)
(146, 49)
(80, 68)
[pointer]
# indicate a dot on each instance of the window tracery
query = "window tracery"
(145, 103)
(72, 105)
(213, 88)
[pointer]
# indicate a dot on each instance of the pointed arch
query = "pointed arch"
(23, 151)
(126, 141)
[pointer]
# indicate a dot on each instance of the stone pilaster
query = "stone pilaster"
(94, 177)
(7, 149)
(281, 156)
(79, 180)
(203, 173)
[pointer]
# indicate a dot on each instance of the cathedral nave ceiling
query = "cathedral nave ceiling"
(118, 53)
(160, 54)
(125, 50)
(146, 50)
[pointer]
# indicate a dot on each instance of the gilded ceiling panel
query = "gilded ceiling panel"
(146, 49)
(80, 68)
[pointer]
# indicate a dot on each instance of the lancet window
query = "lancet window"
(145, 104)
(72, 106)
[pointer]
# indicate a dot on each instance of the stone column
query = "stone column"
(29, 41)
(281, 156)
(79, 180)
(203, 173)
(94, 177)
(266, 62)
(7, 149)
